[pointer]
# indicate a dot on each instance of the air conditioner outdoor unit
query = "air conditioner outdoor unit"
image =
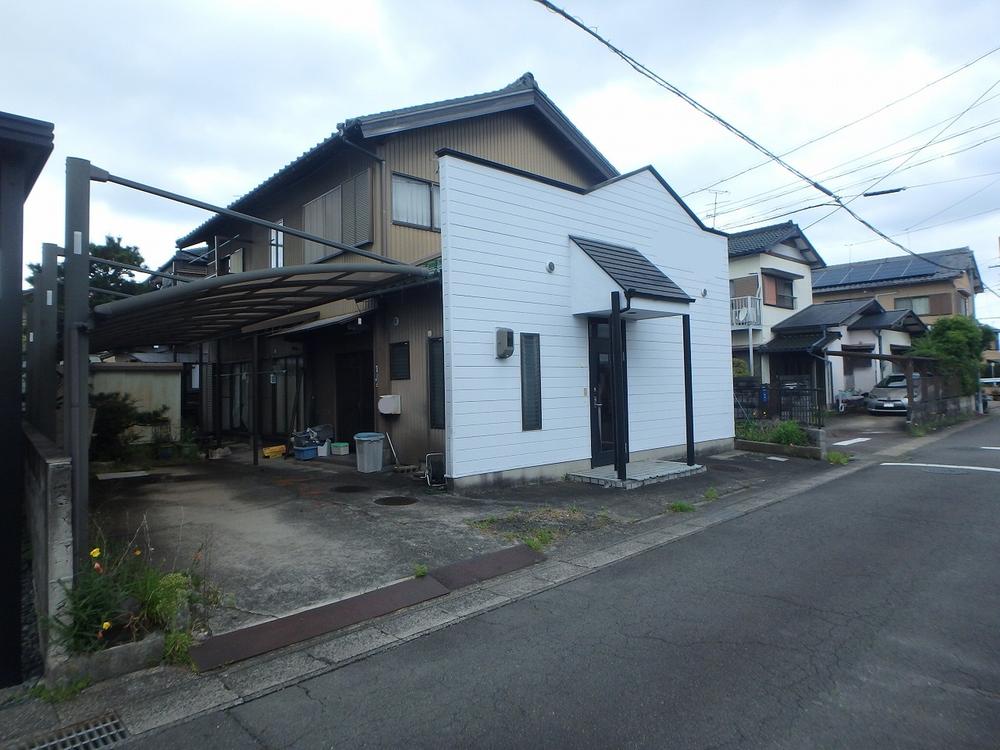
(389, 404)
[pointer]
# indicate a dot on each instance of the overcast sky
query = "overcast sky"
(209, 98)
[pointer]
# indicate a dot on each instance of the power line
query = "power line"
(956, 203)
(908, 158)
(663, 83)
(852, 123)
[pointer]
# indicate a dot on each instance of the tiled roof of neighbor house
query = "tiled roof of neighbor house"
(828, 314)
(632, 270)
(761, 239)
(797, 342)
(906, 269)
(524, 92)
(888, 319)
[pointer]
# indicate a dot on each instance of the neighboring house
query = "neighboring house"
(542, 259)
(375, 184)
(189, 265)
(991, 354)
(770, 279)
(932, 285)
(801, 342)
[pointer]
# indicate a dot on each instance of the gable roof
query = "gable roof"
(522, 93)
(898, 270)
(632, 271)
(762, 239)
(828, 314)
(898, 320)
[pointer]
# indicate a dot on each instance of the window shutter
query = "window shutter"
(362, 208)
(347, 212)
(745, 286)
(322, 217)
(399, 360)
(940, 304)
(531, 383)
(435, 380)
(770, 291)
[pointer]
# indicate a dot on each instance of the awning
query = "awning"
(798, 342)
(210, 308)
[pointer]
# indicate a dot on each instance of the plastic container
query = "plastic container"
(369, 450)
(323, 450)
(305, 453)
(340, 449)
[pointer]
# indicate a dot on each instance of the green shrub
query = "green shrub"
(788, 433)
(754, 431)
(177, 647)
(419, 570)
(837, 458)
(680, 508)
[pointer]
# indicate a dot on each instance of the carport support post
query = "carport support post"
(688, 388)
(76, 348)
(217, 393)
(255, 400)
(618, 385)
(46, 337)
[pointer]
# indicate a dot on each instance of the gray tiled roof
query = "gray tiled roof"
(829, 314)
(904, 269)
(521, 93)
(797, 342)
(632, 270)
(757, 240)
(887, 319)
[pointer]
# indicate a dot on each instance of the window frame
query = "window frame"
(432, 420)
(924, 297)
(778, 296)
(396, 346)
(433, 196)
(276, 246)
(526, 373)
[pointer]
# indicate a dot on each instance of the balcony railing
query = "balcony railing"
(744, 311)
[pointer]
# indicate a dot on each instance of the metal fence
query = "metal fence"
(791, 402)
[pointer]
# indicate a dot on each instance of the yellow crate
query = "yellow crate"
(272, 451)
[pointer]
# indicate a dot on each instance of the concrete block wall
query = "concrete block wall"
(50, 520)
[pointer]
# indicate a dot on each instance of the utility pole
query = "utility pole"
(715, 203)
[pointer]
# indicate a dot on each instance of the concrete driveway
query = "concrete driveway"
(865, 433)
(288, 535)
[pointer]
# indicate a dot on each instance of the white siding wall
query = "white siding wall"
(498, 233)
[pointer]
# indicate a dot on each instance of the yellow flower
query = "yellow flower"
(137, 552)
(105, 625)
(96, 552)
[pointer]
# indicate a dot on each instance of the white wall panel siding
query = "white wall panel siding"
(499, 231)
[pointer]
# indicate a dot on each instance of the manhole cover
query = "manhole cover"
(395, 500)
(943, 470)
(350, 488)
(102, 732)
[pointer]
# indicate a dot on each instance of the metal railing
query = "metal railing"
(783, 403)
(744, 311)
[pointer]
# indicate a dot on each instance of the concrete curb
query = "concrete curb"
(184, 696)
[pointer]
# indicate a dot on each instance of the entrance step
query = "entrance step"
(637, 474)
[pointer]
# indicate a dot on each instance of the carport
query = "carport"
(187, 313)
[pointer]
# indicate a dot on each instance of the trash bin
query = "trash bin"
(369, 449)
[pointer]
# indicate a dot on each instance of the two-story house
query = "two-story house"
(932, 285)
(374, 184)
(770, 279)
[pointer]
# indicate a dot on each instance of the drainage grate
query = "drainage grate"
(350, 488)
(395, 500)
(103, 732)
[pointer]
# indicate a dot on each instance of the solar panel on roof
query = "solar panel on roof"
(891, 269)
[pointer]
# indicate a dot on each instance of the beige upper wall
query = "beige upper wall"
(887, 297)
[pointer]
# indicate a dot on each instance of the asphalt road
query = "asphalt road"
(864, 614)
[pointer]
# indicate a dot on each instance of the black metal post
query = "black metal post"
(217, 393)
(76, 346)
(688, 388)
(255, 400)
(12, 195)
(618, 386)
(31, 354)
(48, 342)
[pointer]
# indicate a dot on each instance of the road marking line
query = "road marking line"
(852, 441)
(988, 448)
(946, 466)
(775, 458)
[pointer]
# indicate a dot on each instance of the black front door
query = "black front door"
(602, 401)
(355, 395)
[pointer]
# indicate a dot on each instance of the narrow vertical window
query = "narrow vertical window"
(399, 360)
(531, 382)
(435, 381)
(277, 243)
